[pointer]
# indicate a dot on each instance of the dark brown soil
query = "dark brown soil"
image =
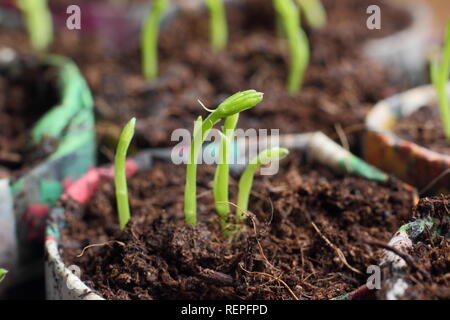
(340, 85)
(27, 90)
(430, 280)
(424, 127)
(279, 256)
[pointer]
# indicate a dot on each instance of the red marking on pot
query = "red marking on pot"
(82, 189)
(34, 220)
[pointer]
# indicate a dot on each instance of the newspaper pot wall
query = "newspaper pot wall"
(418, 268)
(410, 162)
(25, 201)
(414, 262)
(63, 281)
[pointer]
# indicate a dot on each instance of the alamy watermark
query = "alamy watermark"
(73, 21)
(374, 20)
(245, 145)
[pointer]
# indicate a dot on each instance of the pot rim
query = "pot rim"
(420, 15)
(386, 113)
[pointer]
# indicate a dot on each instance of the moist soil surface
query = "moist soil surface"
(305, 237)
(27, 90)
(424, 127)
(340, 85)
(429, 277)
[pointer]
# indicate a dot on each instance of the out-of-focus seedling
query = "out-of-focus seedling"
(149, 39)
(440, 71)
(218, 27)
(314, 13)
(38, 21)
(289, 16)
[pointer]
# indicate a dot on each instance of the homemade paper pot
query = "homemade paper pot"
(63, 283)
(25, 202)
(410, 162)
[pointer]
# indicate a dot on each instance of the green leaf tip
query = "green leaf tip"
(239, 102)
(38, 22)
(246, 180)
(273, 154)
(3, 273)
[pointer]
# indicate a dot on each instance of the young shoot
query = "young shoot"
(218, 27)
(120, 178)
(298, 42)
(3, 273)
(440, 71)
(314, 13)
(221, 177)
(232, 105)
(245, 182)
(149, 39)
(38, 21)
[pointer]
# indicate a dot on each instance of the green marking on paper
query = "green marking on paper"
(416, 228)
(345, 296)
(75, 97)
(53, 231)
(355, 165)
(17, 186)
(49, 191)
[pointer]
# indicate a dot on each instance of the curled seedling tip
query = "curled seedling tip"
(245, 183)
(204, 107)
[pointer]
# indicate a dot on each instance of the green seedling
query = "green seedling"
(231, 106)
(38, 21)
(149, 39)
(220, 185)
(3, 273)
(245, 182)
(440, 71)
(314, 13)
(218, 27)
(288, 15)
(120, 178)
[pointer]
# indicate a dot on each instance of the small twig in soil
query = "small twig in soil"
(249, 215)
(408, 259)
(10, 157)
(100, 245)
(215, 277)
(341, 134)
(445, 205)
(434, 181)
(272, 277)
(339, 252)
